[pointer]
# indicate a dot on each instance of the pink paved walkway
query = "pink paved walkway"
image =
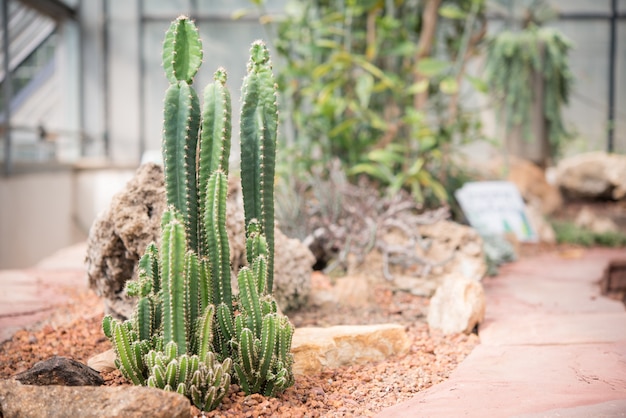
(551, 346)
(30, 295)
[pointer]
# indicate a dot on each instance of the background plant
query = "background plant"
(188, 329)
(514, 56)
(568, 232)
(377, 84)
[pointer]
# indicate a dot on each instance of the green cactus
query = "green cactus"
(259, 125)
(215, 134)
(182, 51)
(187, 331)
(263, 361)
(180, 136)
(203, 379)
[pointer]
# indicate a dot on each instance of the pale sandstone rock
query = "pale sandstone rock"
(25, 401)
(316, 349)
(543, 229)
(120, 235)
(103, 362)
(531, 181)
(593, 222)
(593, 175)
(349, 291)
(457, 306)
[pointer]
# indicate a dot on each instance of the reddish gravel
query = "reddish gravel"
(363, 390)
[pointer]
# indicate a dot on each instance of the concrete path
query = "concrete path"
(30, 295)
(551, 346)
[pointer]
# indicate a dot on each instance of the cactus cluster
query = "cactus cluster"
(188, 333)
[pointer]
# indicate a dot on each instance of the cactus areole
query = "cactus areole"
(188, 333)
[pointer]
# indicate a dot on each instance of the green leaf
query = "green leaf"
(449, 85)
(403, 49)
(478, 83)
(452, 11)
(416, 167)
(386, 157)
(375, 170)
(419, 87)
(431, 66)
(326, 43)
(364, 84)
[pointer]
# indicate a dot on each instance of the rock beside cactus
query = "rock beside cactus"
(119, 237)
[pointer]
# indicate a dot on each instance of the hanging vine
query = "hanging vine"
(512, 60)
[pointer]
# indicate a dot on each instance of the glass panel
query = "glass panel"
(229, 6)
(587, 111)
(581, 6)
(167, 7)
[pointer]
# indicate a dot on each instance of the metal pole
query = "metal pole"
(611, 110)
(105, 78)
(142, 73)
(7, 91)
(82, 137)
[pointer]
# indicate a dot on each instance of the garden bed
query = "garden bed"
(362, 390)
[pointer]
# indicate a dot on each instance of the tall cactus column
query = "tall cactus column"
(259, 125)
(182, 56)
(215, 134)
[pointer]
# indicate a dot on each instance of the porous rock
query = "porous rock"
(25, 401)
(593, 175)
(120, 235)
(59, 370)
(457, 306)
(445, 247)
(460, 244)
(451, 248)
(316, 349)
(293, 264)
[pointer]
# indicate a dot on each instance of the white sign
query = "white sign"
(495, 208)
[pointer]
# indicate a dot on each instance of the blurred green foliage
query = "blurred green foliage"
(568, 232)
(378, 84)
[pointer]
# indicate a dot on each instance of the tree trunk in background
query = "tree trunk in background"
(536, 146)
(424, 47)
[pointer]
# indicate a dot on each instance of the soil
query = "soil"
(360, 390)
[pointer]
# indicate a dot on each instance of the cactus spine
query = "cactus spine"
(187, 330)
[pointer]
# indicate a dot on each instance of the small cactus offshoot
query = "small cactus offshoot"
(187, 332)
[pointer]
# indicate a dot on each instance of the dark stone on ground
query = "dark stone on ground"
(60, 371)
